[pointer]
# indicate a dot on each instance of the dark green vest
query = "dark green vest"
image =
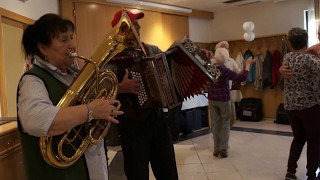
(35, 166)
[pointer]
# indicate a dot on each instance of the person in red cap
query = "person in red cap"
(144, 132)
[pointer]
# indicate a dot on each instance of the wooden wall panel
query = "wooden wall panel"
(261, 44)
(14, 60)
(18, 22)
(174, 28)
(66, 9)
(151, 31)
(207, 46)
(156, 28)
(194, 13)
(93, 23)
(3, 91)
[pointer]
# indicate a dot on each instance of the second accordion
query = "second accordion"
(168, 78)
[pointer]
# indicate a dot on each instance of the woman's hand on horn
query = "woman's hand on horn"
(105, 109)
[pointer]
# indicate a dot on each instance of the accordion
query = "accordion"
(168, 78)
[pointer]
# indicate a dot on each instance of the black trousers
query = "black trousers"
(144, 142)
(173, 122)
(305, 126)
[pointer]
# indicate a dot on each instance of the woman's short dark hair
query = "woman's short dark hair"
(298, 38)
(46, 28)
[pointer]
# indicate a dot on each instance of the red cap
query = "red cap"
(132, 17)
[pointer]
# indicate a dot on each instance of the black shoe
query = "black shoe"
(224, 153)
(216, 154)
(290, 176)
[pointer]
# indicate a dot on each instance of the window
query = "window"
(310, 27)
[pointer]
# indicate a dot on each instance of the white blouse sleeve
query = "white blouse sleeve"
(35, 109)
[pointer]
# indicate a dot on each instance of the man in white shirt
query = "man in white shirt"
(230, 63)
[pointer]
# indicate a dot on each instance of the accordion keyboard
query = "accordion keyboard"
(142, 96)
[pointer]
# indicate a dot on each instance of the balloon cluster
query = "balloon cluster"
(248, 28)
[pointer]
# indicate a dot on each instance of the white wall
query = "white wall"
(200, 29)
(269, 18)
(32, 9)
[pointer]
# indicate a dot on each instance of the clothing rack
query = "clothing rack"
(257, 37)
(271, 98)
(259, 44)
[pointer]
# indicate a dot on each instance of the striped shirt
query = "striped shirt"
(220, 91)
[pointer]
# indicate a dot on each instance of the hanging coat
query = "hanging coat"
(252, 69)
(267, 70)
(259, 71)
(241, 62)
(276, 63)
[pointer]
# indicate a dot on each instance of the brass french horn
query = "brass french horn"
(86, 87)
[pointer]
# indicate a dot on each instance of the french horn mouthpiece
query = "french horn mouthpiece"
(73, 54)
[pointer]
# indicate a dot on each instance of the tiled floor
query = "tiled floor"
(258, 151)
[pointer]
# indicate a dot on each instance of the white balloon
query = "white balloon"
(249, 36)
(248, 26)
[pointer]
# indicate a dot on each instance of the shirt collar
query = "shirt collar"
(46, 65)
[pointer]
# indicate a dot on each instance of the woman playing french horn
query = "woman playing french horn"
(50, 41)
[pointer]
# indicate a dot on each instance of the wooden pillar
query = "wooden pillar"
(3, 93)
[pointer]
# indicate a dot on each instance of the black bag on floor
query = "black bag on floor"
(250, 109)
(204, 114)
(185, 121)
(282, 117)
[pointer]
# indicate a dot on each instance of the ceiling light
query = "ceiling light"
(153, 5)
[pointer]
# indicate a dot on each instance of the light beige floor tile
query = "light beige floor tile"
(245, 164)
(266, 124)
(188, 176)
(190, 168)
(185, 168)
(225, 176)
(263, 174)
(111, 154)
(203, 142)
(193, 176)
(219, 166)
(207, 157)
(187, 157)
(252, 156)
(184, 145)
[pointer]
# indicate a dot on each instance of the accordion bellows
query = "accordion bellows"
(191, 70)
(168, 78)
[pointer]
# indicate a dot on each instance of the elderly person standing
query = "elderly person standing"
(50, 41)
(287, 73)
(220, 104)
(235, 93)
(301, 101)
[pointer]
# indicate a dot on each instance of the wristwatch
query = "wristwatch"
(90, 113)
